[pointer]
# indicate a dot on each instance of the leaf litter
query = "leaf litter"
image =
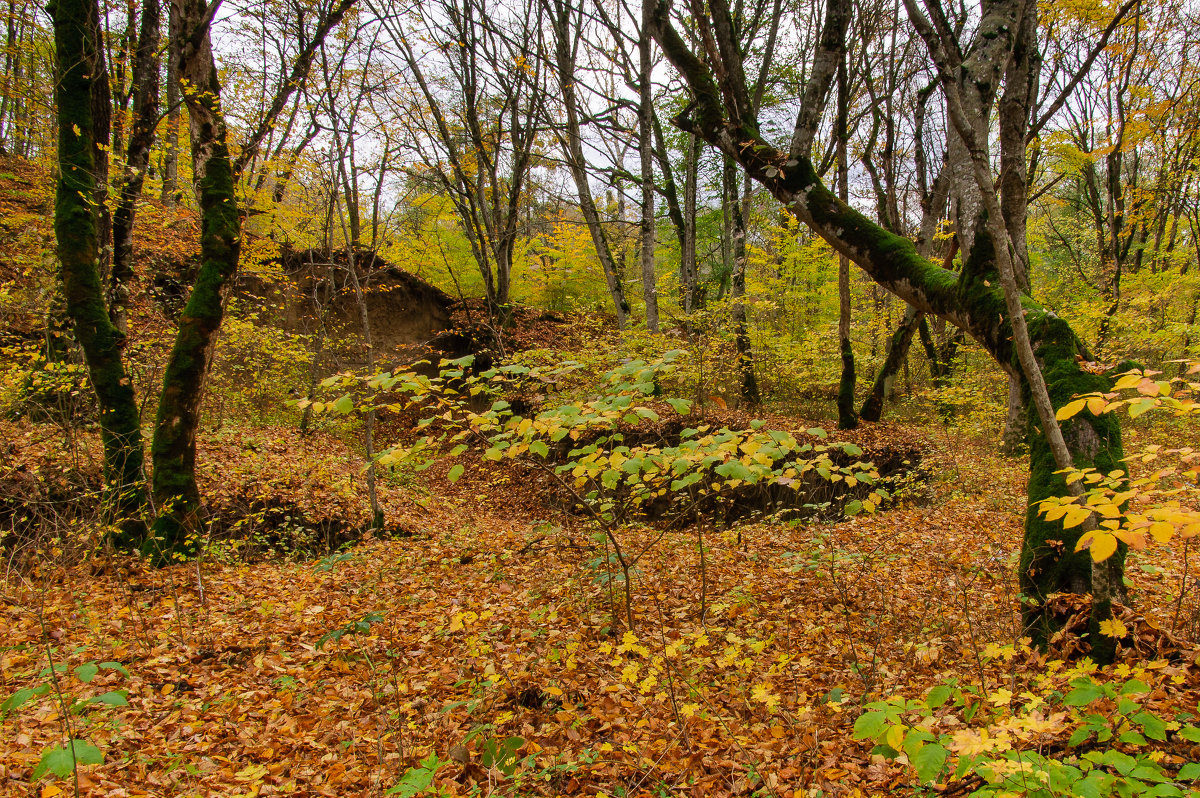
(492, 625)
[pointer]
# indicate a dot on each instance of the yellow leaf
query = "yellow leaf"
(1001, 697)
(895, 737)
(1100, 545)
(1113, 628)
(50, 790)
(1070, 409)
(1075, 516)
(1055, 512)
(1162, 531)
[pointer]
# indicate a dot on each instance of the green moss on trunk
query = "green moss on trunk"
(898, 346)
(177, 529)
(79, 66)
(1049, 563)
(847, 418)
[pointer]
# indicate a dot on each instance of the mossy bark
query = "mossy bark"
(76, 227)
(898, 346)
(972, 301)
(177, 529)
(1049, 563)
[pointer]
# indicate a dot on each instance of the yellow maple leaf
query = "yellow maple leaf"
(1001, 697)
(762, 694)
(1113, 627)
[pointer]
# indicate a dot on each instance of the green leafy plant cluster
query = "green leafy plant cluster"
(1089, 736)
(61, 760)
(614, 453)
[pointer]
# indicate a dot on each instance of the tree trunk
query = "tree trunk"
(898, 346)
(689, 277)
(571, 140)
(646, 156)
(846, 384)
(75, 225)
(1009, 326)
(741, 330)
(177, 528)
(137, 159)
(1049, 563)
(360, 301)
(170, 167)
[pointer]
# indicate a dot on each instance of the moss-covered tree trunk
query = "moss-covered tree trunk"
(847, 417)
(973, 300)
(177, 498)
(79, 67)
(897, 351)
(1049, 563)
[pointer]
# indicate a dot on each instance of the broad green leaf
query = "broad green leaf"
(87, 671)
(17, 699)
(113, 698)
(1152, 725)
(734, 469)
(938, 696)
(929, 761)
(1134, 687)
(540, 449)
(647, 413)
(455, 472)
(1189, 772)
(870, 725)
(61, 760)
(1086, 691)
(344, 405)
(1190, 733)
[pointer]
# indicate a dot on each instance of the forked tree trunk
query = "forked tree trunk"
(79, 66)
(177, 528)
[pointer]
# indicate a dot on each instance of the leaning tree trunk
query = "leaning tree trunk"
(973, 300)
(571, 141)
(177, 528)
(79, 66)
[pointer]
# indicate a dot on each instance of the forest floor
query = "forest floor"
(485, 637)
(483, 645)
